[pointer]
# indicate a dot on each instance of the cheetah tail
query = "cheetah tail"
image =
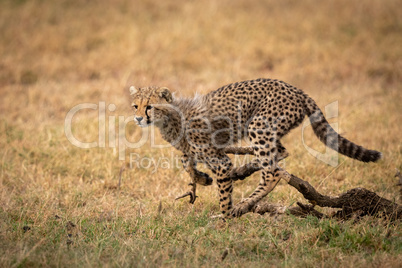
(332, 139)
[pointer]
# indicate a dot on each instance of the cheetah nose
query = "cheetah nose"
(139, 119)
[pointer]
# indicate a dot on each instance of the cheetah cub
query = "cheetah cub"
(261, 111)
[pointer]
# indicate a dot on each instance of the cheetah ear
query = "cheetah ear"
(133, 90)
(165, 93)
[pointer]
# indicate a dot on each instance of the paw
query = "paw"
(191, 194)
(240, 209)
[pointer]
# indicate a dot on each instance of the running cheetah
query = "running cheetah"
(261, 111)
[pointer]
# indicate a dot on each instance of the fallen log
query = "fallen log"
(301, 210)
(355, 203)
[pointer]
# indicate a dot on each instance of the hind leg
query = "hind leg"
(266, 185)
(268, 182)
(266, 151)
(265, 133)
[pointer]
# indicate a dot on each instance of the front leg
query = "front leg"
(197, 177)
(202, 178)
(188, 165)
(221, 166)
(191, 193)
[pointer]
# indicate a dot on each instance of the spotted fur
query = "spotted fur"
(261, 111)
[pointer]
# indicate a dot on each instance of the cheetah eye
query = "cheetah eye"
(135, 106)
(149, 107)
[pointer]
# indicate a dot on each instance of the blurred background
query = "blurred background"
(184, 44)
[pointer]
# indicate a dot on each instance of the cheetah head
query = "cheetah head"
(150, 104)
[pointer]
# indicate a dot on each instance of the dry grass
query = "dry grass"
(55, 56)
